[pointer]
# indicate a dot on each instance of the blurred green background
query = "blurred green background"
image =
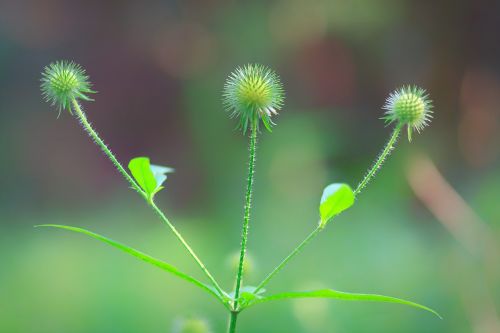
(427, 229)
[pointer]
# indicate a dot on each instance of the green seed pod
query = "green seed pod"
(63, 82)
(251, 93)
(409, 106)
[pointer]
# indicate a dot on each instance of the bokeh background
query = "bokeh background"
(426, 229)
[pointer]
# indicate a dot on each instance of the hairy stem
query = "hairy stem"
(246, 219)
(93, 134)
(389, 146)
(285, 261)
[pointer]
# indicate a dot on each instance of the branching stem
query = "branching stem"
(93, 134)
(370, 174)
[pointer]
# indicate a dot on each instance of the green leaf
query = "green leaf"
(141, 170)
(140, 255)
(329, 293)
(335, 199)
(150, 177)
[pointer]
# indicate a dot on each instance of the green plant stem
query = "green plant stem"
(389, 146)
(188, 248)
(285, 261)
(232, 321)
(378, 163)
(93, 134)
(246, 219)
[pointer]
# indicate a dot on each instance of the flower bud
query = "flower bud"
(409, 106)
(251, 93)
(63, 82)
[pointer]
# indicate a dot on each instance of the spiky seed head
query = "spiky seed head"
(410, 106)
(62, 82)
(253, 92)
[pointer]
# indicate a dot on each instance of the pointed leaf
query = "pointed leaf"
(329, 293)
(140, 255)
(335, 199)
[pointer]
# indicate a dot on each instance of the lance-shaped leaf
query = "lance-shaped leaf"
(335, 199)
(329, 293)
(145, 257)
(150, 177)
